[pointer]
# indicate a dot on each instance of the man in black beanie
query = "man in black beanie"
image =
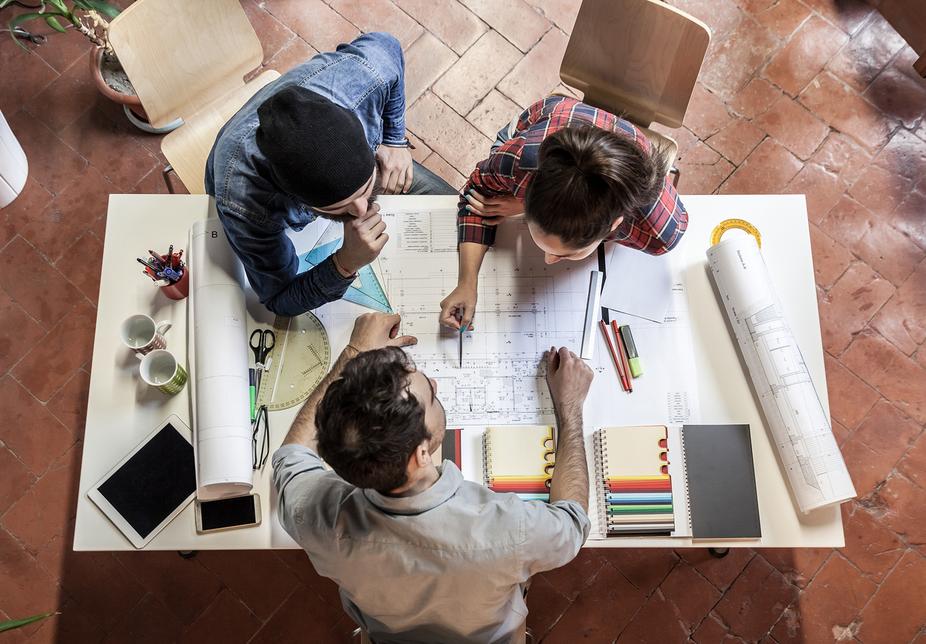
(322, 140)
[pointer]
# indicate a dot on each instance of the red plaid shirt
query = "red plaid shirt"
(510, 169)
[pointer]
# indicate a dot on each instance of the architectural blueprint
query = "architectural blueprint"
(800, 428)
(524, 307)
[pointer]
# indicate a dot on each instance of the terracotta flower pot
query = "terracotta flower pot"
(129, 100)
(131, 104)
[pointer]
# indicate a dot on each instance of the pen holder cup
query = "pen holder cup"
(179, 289)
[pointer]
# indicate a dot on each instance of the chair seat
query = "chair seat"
(668, 146)
(188, 147)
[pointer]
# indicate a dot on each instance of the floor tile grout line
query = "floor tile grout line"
(276, 610)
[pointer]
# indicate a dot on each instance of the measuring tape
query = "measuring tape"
(739, 224)
(298, 366)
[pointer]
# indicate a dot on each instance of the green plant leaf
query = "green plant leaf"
(103, 7)
(54, 24)
(19, 623)
(59, 5)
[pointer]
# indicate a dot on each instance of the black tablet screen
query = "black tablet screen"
(154, 482)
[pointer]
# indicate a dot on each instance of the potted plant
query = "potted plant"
(91, 18)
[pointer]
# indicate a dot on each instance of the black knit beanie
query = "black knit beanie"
(316, 149)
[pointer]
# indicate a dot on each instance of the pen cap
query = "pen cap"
(633, 359)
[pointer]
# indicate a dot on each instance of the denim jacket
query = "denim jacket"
(366, 76)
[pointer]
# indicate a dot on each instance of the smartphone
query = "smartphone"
(225, 514)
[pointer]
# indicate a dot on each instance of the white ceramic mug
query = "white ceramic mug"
(143, 335)
(160, 369)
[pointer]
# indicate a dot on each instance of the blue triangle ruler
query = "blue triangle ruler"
(365, 290)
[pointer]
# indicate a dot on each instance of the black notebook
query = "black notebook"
(721, 482)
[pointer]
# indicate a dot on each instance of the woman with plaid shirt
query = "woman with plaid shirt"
(581, 176)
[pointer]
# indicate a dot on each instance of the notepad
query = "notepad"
(519, 459)
(721, 482)
(693, 481)
(635, 489)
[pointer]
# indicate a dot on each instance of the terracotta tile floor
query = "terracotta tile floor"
(796, 96)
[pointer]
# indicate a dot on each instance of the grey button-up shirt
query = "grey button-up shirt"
(446, 565)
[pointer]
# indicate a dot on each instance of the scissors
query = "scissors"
(262, 347)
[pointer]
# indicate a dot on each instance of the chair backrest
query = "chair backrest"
(640, 58)
(182, 55)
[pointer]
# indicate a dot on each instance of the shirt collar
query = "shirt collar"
(444, 488)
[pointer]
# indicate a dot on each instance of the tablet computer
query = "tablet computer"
(151, 485)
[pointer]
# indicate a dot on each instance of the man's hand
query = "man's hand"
(395, 169)
(568, 378)
(364, 238)
(378, 330)
(493, 208)
(458, 308)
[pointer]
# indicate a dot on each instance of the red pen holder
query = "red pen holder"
(179, 289)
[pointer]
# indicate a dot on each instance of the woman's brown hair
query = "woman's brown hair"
(587, 178)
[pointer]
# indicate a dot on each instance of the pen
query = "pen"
(170, 256)
(462, 331)
(622, 351)
(157, 258)
(617, 362)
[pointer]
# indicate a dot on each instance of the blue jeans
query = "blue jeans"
(425, 182)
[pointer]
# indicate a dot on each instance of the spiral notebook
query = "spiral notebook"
(635, 489)
(519, 459)
(693, 481)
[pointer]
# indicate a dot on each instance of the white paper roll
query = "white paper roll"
(800, 429)
(218, 356)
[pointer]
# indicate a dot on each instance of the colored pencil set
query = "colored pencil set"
(163, 269)
(623, 352)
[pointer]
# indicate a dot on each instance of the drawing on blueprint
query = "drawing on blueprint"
(524, 307)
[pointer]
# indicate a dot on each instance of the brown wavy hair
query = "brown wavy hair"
(369, 423)
(587, 178)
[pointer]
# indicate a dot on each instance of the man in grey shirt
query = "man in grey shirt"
(421, 555)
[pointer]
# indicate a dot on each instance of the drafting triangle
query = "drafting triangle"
(366, 290)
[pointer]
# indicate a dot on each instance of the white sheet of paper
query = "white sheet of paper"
(638, 284)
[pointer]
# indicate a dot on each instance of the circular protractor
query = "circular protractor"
(300, 360)
(738, 224)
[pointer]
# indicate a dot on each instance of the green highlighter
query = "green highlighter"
(636, 364)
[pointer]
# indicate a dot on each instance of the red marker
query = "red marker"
(617, 361)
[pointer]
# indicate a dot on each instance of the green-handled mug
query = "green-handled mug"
(160, 369)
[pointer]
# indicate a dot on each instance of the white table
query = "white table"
(122, 410)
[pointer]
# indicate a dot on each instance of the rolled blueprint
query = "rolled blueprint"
(218, 355)
(800, 428)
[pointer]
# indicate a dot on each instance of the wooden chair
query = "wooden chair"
(188, 59)
(639, 59)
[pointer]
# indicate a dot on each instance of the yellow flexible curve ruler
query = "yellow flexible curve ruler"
(739, 224)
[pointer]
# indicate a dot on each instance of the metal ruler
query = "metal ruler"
(299, 362)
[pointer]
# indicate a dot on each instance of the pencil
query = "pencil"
(617, 362)
(623, 354)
